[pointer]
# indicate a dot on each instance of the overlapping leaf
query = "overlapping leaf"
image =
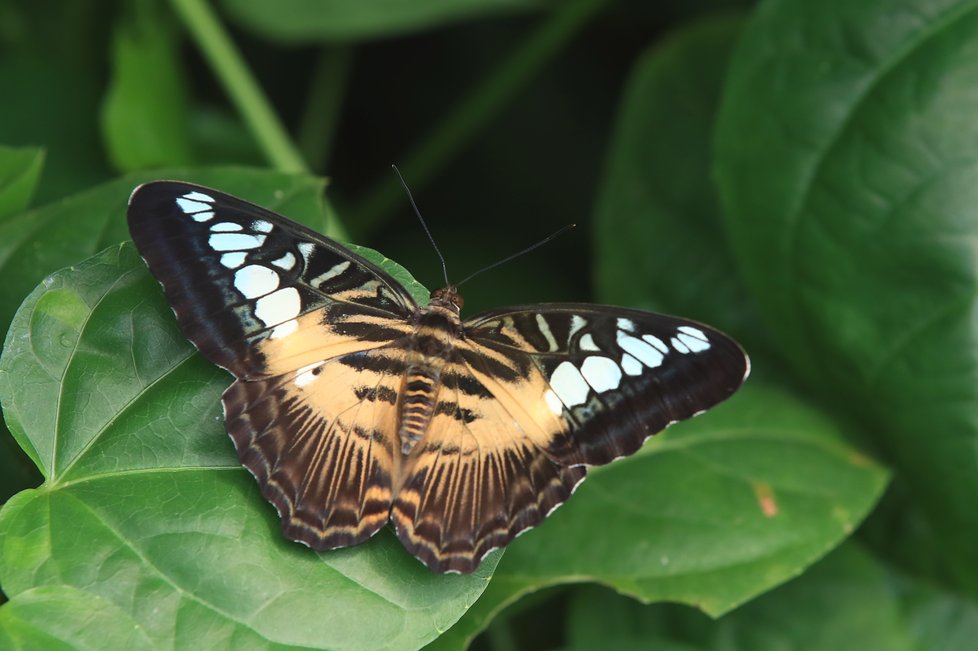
(847, 602)
(846, 151)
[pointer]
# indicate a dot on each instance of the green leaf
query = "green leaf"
(20, 170)
(848, 601)
(846, 165)
(145, 504)
(300, 20)
(712, 513)
(144, 117)
(62, 617)
(660, 239)
(35, 243)
(53, 102)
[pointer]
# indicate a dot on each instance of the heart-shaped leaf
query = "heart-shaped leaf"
(144, 503)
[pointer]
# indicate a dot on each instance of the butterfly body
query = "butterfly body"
(353, 406)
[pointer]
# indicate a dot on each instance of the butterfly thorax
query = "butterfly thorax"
(436, 328)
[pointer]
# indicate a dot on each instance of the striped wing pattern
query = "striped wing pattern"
(353, 406)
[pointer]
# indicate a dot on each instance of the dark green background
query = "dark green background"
(798, 174)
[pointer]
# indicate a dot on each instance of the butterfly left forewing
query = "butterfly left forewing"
(249, 286)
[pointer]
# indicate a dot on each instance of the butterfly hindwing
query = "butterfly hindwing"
(320, 444)
(237, 275)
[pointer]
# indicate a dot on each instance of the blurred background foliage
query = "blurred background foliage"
(512, 118)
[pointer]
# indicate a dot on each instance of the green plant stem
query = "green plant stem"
(319, 118)
(238, 82)
(474, 111)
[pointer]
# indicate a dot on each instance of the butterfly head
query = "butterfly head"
(448, 297)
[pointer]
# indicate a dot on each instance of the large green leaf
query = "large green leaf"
(846, 158)
(56, 618)
(712, 513)
(145, 505)
(308, 20)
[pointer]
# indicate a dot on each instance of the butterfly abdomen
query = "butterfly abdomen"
(417, 405)
(430, 349)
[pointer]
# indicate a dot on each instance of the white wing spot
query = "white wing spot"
(626, 324)
(694, 338)
(601, 373)
(225, 227)
(569, 384)
(333, 272)
(545, 331)
(658, 343)
(679, 346)
(261, 226)
(286, 262)
(190, 206)
(553, 402)
(199, 196)
(279, 306)
(233, 260)
(235, 241)
(631, 365)
(255, 280)
(204, 216)
(577, 322)
(284, 329)
(640, 350)
(306, 374)
(587, 343)
(306, 249)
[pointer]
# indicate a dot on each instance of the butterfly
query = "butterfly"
(354, 406)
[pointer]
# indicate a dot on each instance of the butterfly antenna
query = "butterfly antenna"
(444, 267)
(517, 254)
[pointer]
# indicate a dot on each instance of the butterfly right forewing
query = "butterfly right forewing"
(612, 376)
